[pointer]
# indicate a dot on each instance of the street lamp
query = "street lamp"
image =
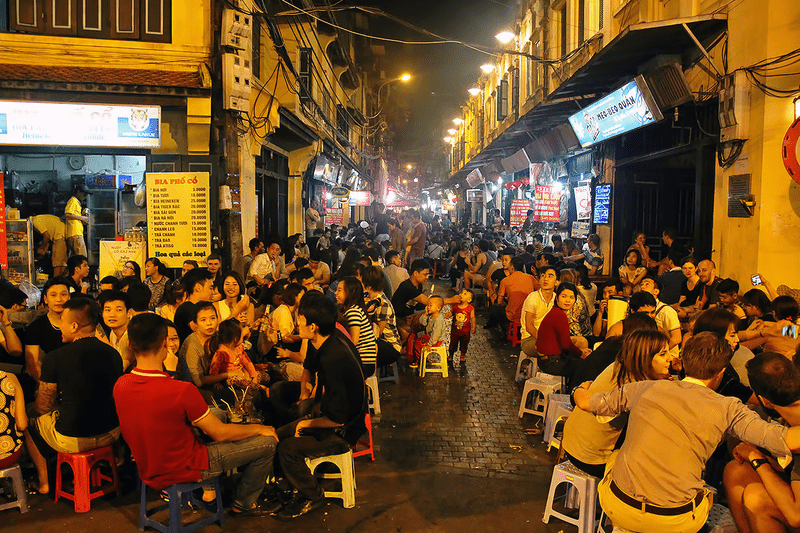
(448, 139)
(474, 91)
(458, 121)
(488, 68)
(452, 131)
(505, 37)
(404, 78)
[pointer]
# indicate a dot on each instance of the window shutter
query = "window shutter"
(26, 15)
(125, 19)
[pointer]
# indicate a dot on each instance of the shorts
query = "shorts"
(77, 245)
(45, 426)
(58, 254)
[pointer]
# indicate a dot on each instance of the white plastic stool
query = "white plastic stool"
(347, 473)
(544, 385)
(533, 369)
(440, 367)
(393, 376)
(558, 408)
(14, 473)
(586, 486)
(374, 394)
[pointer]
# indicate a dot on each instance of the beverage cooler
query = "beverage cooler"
(112, 213)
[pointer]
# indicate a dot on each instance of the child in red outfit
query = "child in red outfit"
(230, 357)
(433, 320)
(464, 324)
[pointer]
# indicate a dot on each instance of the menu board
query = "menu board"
(337, 215)
(3, 235)
(583, 202)
(519, 212)
(602, 203)
(114, 255)
(178, 224)
(547, 205)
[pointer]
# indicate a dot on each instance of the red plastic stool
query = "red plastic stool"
(370, 450)
(87, 476)
(513, 332)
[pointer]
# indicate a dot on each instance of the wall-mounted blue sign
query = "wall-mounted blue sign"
(602, 203)
(629, 107)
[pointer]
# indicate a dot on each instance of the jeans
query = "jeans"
(255, 453)
(292, 453)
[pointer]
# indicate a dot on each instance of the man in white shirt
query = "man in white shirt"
(536, 307)
(394, 269)
(665, 316)
(265, 268)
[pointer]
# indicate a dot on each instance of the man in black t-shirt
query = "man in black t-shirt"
(342, 399)
(408, 297)
(83, 374)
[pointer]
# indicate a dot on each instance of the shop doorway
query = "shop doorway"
(671, 191)
(272, 193)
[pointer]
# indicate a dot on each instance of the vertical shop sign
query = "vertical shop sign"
(519, 212)
(3, 234)
(547, 205)
(178, 225)
(583, 202)
(602, 203)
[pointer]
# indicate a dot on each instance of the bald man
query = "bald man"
(707, 272)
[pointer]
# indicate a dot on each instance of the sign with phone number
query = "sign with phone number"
(178, 225)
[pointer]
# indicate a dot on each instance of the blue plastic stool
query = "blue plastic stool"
(179, 494)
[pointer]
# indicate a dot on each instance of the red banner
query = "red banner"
(519, 212)
(547, 205)
(3, 234)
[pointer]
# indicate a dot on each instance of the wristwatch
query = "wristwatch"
(755, 463)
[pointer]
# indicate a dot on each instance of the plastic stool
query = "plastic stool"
(374, 394)
(544, 385)
(513, 333)
(393, 376)
(179, 494)
(87, 476)
(558, 408)
(586, 486)
(14, 473)
(534, 368)
(440, 367)
(369, 450)
(346, 473)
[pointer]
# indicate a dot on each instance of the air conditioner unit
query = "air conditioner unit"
(237, 29)
(669, 86)
(236, 82)
(734, 105)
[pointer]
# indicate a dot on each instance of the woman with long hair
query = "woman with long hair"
(156, 281)
(691, 289)
(556, 348)
(174, 296)
(632, 272)
(589, 443)
(235, 302)
(353, 315)
(639, 240)
(131, 269)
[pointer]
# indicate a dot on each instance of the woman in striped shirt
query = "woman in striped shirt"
(350, 297)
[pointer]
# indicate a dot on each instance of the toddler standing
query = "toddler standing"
(433, 320)
(464, 324)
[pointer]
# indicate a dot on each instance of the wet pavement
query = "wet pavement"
(450, 456)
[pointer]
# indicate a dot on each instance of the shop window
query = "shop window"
(145, 20)
(563, 30)
(515, 90)
(502, 100)
(342, 124)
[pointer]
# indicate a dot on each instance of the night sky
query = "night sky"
(442, 73)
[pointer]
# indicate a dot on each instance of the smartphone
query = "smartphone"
(789, 331)
(756, 279)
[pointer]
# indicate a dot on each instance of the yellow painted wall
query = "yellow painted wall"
(769, 242)
(190, 46)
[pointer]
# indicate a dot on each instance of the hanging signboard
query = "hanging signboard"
(475, 195)
(583, 202)
(580, 230)
(602, 203)
(362, 198)
(340, 192)
(178, 225)
(629, 107)
(54, 124)
(519, 212)
(547, 205)
(337, 215)
(3, 234)
(114, 255)
(536, 170)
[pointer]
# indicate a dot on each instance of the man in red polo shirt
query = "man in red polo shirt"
(514, 288)
(157, 414)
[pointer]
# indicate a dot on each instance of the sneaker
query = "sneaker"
(300, 506)
(262, 508)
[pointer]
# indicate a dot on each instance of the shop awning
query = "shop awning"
(618, 61)
(12, 76)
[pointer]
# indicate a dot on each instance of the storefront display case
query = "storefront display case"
(20, 251)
